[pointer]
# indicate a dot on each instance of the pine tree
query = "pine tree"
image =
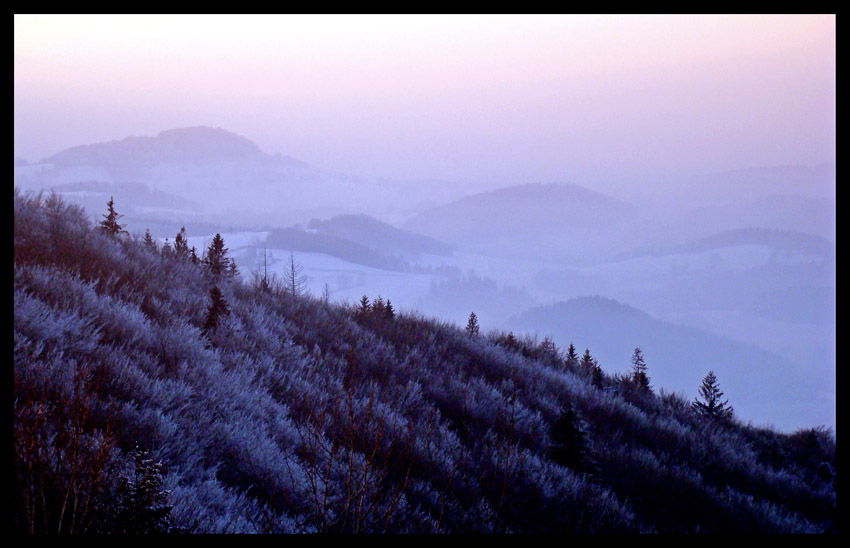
(233, 269)
(110, 222)
(472, 325)
(389, 313)
(570, 445)
(216, 257)
(193, 256)
(711, 407)
(217, 309)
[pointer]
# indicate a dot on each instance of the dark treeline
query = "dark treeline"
(157, 393)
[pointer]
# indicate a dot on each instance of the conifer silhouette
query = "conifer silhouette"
(711, 407)
(217, 309)
(472, 325)
(110, 222)
(149, 242)
(216, 257)
(639, 376)
(181, 245)
(570, 445)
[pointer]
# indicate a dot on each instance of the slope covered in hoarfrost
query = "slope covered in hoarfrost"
(265, 411)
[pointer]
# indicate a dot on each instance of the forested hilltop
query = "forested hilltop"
(156, 391)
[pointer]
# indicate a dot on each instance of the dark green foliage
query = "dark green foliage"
(110, 224)
(711, 407)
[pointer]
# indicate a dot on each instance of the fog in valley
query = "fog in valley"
(665, 183)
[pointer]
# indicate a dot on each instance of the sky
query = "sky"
(512, 99)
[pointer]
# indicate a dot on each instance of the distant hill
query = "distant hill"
(807, 214)
(296, 239)
(761, 384)
(788, 243)
(370, 232)
(537, 214)
(194, 145)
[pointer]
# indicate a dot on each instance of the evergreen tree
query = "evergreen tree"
(597, 378)
(149, 242)
(110, 222)
(378, 307)
(193, 256)
(571, 358)
(389, 313)
(364, 308)
(639, 376)
(216, 257)
(181, 245)
(166, 249)
(217, 309)
(711, 407)
(587, 361)
(143, 506)
(472, 325)
(233, 269)
(570, 446)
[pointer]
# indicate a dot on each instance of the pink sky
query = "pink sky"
(514, 98)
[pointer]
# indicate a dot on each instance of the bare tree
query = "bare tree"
(293, 278)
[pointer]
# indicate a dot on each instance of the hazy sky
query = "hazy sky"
(507, 98)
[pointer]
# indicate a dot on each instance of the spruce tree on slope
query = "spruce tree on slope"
(181, 245)
(639, 376)
(217, 309)
(472, 325)
(711, 407)
(216, 257)
(570, 446)
(110, 222)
